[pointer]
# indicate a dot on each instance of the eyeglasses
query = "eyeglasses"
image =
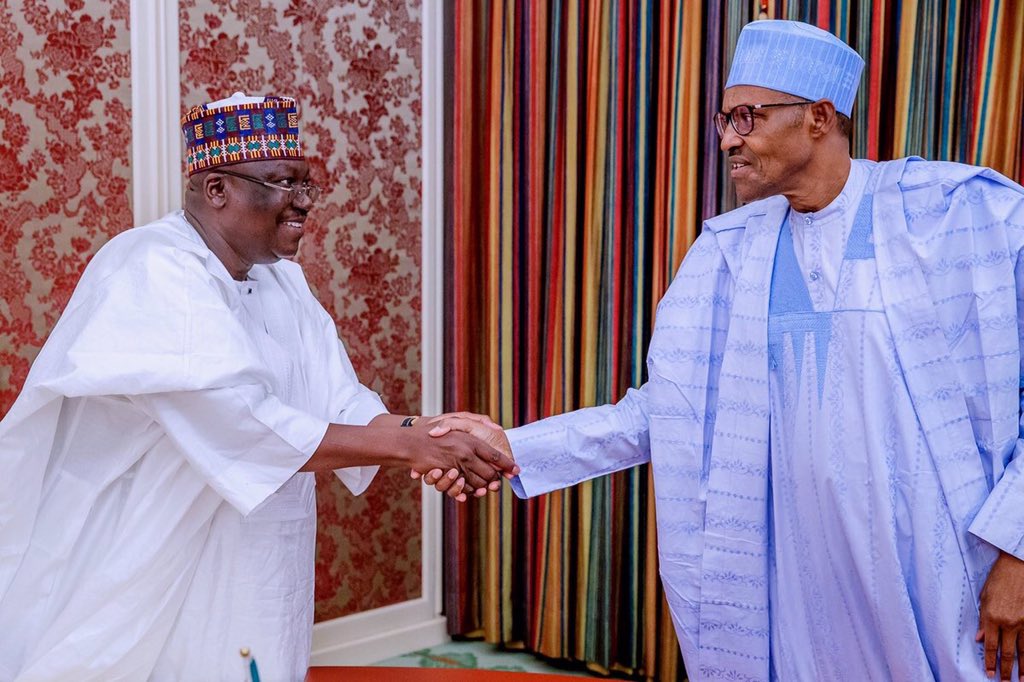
(306, 189)
(741, 116)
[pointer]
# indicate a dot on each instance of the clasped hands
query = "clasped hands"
(476, 475)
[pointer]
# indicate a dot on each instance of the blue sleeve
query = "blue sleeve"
(1000, 522)
(567, 449)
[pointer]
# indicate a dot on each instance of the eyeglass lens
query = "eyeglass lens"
(311, 192)
(741, 118)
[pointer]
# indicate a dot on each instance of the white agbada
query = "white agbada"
(152, 522)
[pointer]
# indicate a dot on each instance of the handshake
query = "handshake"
(466, 454)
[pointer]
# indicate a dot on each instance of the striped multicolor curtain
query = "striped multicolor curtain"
(582, 160)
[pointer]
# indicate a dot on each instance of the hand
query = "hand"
(1001, 626)
(478, 425)
(478, 462)
(452, 484)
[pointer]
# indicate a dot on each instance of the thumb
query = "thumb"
(471, 426)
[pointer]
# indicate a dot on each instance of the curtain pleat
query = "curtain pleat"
(582, 161)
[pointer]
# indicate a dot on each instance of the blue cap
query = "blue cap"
(794, 57)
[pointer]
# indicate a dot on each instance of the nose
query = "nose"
(730, 139)
(302, 199)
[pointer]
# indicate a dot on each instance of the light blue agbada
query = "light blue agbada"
(832, 472)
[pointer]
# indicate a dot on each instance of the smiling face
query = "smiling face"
(774, 157)
(263, 224)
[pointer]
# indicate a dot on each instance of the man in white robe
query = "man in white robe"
(157, 509)
(833, 409)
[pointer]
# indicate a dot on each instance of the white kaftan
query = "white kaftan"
(836, 451)
(152, 522)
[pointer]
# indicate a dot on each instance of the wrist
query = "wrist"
(406, 447)
(409, 421)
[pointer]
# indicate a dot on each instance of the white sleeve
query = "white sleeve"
(243, 441)
(567, 449)
(358, 406)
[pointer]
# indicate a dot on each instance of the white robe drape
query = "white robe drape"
(152, 522)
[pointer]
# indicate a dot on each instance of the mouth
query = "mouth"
(296, 224)
(736, 166)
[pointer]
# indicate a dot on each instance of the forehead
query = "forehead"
(752, 94)
(278, 168)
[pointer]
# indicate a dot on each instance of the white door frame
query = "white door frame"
(370, 636)
(389, 631)
(156, 109)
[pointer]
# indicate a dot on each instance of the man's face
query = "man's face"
(772, 158)
(265, 223)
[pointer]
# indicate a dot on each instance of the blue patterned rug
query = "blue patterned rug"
(481, 656)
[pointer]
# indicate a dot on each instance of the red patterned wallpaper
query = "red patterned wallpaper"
(354, 68)
(65, 183)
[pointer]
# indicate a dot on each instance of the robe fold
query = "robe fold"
(751, 381)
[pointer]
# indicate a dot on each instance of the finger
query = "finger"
(481, 465)
(991, 643)
(455, 490)
(433, 476)
(486, 431)
(1020, 656)
(1007, 653)
(482, 419)
(474, 481)
(445, 483)
(473, 416)
(470, 426)
(439, 430)
(451, 482)
(497, 460)
(503, 462)
(414, 475)
(477, 472)
(461, 498)
(494, 486)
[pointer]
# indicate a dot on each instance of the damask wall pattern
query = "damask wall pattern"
(65, 150)
(354, 68)
(65, 190)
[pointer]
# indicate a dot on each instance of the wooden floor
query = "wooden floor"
(372, 674)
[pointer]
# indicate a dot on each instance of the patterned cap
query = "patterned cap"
(240, 128)
(793, 57)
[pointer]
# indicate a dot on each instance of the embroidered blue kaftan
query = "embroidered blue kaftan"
(833, 427)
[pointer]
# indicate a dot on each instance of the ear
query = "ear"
(214, 190)
(823, 118)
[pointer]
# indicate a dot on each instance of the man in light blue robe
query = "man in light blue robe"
(833, 410)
